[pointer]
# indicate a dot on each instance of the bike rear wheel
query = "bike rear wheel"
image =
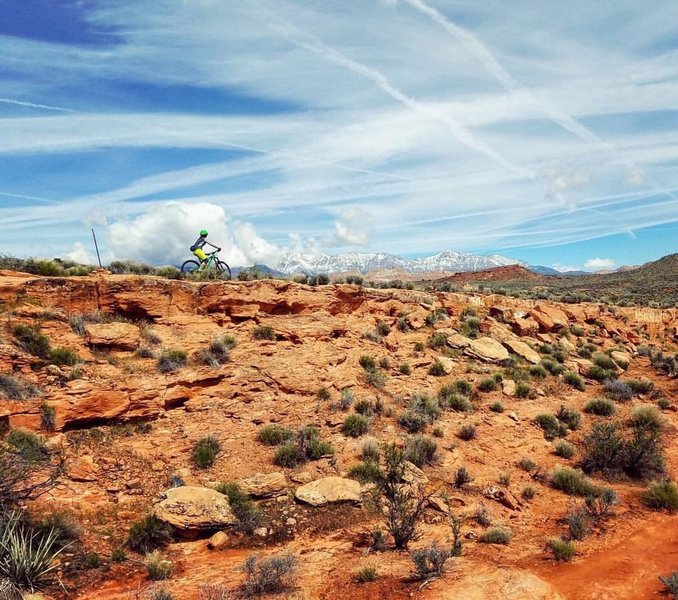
(190, 266)
(224, 270)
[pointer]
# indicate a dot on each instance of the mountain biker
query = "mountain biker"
(197, 248)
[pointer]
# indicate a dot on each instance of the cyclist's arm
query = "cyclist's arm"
(213, 246)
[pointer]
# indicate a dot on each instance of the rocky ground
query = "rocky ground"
(127, 432)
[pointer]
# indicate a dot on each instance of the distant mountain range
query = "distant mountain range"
(364, 262)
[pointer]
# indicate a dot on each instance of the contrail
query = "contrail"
(33, 105)
(28, 197)
(462, 134)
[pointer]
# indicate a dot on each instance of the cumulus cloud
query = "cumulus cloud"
(596, 264)
(353, 227)
(163, 234)
(80, 254)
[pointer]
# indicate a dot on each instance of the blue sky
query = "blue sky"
(547, 134)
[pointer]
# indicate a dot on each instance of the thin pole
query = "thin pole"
(97, 247)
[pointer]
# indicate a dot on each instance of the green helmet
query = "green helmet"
(203, 232)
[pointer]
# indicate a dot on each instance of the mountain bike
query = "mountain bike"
(218, 267)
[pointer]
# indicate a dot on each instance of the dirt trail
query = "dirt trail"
(628, 569)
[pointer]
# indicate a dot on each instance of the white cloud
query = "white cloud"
(80, 254)
(597, 264)
(353, 227)
(564, 268)
(164, 233)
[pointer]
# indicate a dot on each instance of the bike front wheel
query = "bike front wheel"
(224, 270)
(190, 266)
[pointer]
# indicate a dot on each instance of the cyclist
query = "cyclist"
(197, 248)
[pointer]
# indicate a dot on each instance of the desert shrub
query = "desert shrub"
(366, 574)
(323, 394)
(367, 362)
(458, 403)
(47, 417)
(27, 558)
(62, 524)
(171, 360)
(289, 455)
(523, 390)
(504, 478)
(549, 425)
(429, 562)
(662, 495)
(384, 362)
(419, 347)
(538, 371)
(426, 406)
(487, 384)
(528, 492)
(603, 449)
(64, 357)
(421, 450)
(552, 366)
(462, 477)
(370, 450)
(118, 555)
(640, 386)
(437, 432)
(412, 421)
(364, 407)
(402, 324)
(27, 445)
(496, 535)
(601, 505)
(577, 521)
(217, 353)
(383, 329)
(263, 332)
(563, 550)
(149, 533)
(482, 516)
(365, 471)
(274, 435)
(435, 316)
(375, 377)
(497, 407)
(92, 560)
(32, 340)
(570, 416)
(437, 369)
(205, 451)
(467, 432)
(461, 386)
(437, 341)
(603, 361)
(574, 380)
(346, 399)
(158, 566)
(643, 456)
(144, 352)
(670, 582)
(618, 390)
(572, 482)
(270, 575)
(13, 388)
(663, 403)
(248, 514)
(648, 417)
(470, 327)
(355, 425)
(600, 407)
(527, 464)
(600, 374)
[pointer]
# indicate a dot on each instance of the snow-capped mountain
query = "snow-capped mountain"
(363, 262)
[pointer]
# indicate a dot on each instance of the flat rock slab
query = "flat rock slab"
(263, 485)
(487, 349)
(122, 336)
(190, 508)
(329, 489)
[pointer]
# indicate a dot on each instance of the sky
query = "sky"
(547, 134)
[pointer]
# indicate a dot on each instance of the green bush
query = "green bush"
(171, 360)
(457, 403)
(32, 340)
(527, 464)
(405, 368)
(47, 417)
(574, 380)
(364, 407)
(429, 562)
(572, 482)
(346, 399)
(383, 329)
(217, 353)
(604, 361)
(577, 521)
(618, 390)
(421, 450)
(158, 566)
(600, 407)
(497, 407)
(365, 471)
(569, 416)
(563, 550)
(549, 425)
(263, 332)
(64, 357)
(640, 386)
(467, 432)
(670, 582)
(523, 390)
(270, 575)
(370, 450)
(274, 435)
(538, 371)
(149, 533)
(437, 369)
(248, 514)
(205, 451)
(564, 449)
(487, 384)
(289, 455)
(412, 421)
(355, 425)
(496, 535)
(437, 341)
(13, 388)
(600, 374)
(528, 492)
(324, 394)
(118, 555)
(647, 417)
(376, 378)
(662, 495)
(461, 386)
(366, 574)
(27, 445)
(552, 366)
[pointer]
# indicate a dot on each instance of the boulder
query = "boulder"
(82, 469)
(504, 497)
(456, 340)
(121, 336)
(508, 387)
(263, 485)
(487, 349)
(218, 541)
(501, 312)
(448, 364)
(190, 508)
(523, 350)
(525, 326)
(549, 317)
(329, 489)
(621, 358)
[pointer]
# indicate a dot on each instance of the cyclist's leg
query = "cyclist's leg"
(200, 253)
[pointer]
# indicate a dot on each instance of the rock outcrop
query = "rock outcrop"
(329, 490)
(190, 508)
